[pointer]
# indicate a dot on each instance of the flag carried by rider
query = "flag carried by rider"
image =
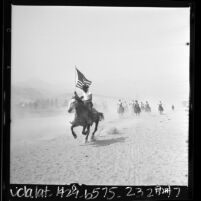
(81, 79)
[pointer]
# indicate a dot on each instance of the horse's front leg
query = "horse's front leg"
(83, 130)
(96, 128)
(74, 134)
(87, 133)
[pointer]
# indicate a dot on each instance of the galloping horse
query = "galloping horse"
(84, 117)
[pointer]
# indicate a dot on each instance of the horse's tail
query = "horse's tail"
(101, 116)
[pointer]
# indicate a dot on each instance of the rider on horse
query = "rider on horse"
(136, 108)
(147, 107)
(85, 115)
(160, 107)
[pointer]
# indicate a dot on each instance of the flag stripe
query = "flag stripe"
(78, 84)
(81, 80)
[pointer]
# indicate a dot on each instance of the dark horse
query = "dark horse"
(84, 117)
(136, 109)
(120, 109)
(160, 109)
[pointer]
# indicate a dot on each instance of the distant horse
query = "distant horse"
(147, 108)
(125, 107)
(160, 109)
(84, 117)
(143, 108)
(120, 109)
(136, 109)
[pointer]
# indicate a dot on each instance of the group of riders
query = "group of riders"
(137, 107)
(86, 114)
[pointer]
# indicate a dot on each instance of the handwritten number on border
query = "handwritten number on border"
(150, 194)
(129, 191)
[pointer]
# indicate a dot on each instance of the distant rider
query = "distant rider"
(147, 105)
(160, 106)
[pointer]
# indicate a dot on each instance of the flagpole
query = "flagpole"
(75, 79)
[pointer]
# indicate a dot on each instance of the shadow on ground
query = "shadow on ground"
(107, 142)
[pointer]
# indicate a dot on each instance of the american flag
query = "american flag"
(81, 80)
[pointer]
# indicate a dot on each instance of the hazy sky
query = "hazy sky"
(123, 51)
